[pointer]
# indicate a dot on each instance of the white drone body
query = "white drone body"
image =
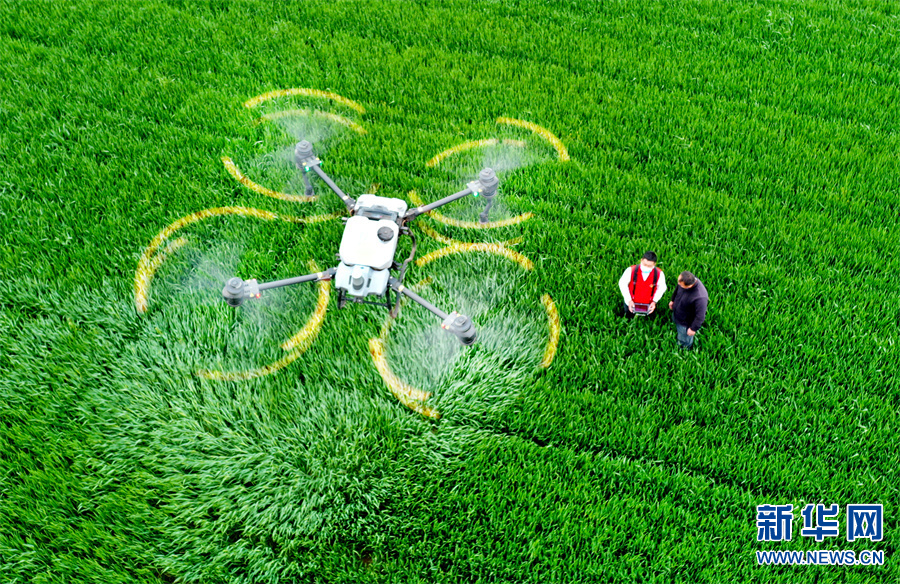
(368, 246)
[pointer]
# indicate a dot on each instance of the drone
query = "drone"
(368, 246)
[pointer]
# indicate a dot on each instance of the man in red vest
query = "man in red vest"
(642, 286)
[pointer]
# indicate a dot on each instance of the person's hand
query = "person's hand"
(691, 332)
(631, 305)
(671, 304)
(652, 307)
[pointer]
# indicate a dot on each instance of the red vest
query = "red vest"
(642, 291)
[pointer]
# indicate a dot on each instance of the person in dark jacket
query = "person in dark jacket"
(689, 303)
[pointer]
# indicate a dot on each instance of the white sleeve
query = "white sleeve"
(660, 287)
(623, 284)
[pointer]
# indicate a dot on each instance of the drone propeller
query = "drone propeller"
(237, 290)
(302, 124)
(502, 158)
(486, 185)
(307, 162)
(279, 132)
(454, 322)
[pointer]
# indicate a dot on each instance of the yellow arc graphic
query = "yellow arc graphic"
(494, 248)
(449, 241)
(553, 320)
(417, 200)
(235, 172)
(147, 268)
(438, 158)
(320, 114)
(407, 394)
(255, 101)
(540, 131)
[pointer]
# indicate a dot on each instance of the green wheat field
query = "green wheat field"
(754, 143)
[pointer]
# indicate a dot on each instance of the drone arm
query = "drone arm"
(458, 324)
(237, 290)
(348, 201)
(318, 276)
(415, 212)
(399, 288)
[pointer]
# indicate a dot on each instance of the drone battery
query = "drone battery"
(361, 281)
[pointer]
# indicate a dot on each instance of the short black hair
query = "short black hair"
(649, 256)
(687, 278)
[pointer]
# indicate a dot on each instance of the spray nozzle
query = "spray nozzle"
(304, 157)
(237, 290)
(489, 182)
(461, 326)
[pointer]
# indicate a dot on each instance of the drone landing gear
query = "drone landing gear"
(483, 216)
(343, 298)
(458, 324)
(308, 188)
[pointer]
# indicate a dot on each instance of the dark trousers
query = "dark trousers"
(685, 341)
